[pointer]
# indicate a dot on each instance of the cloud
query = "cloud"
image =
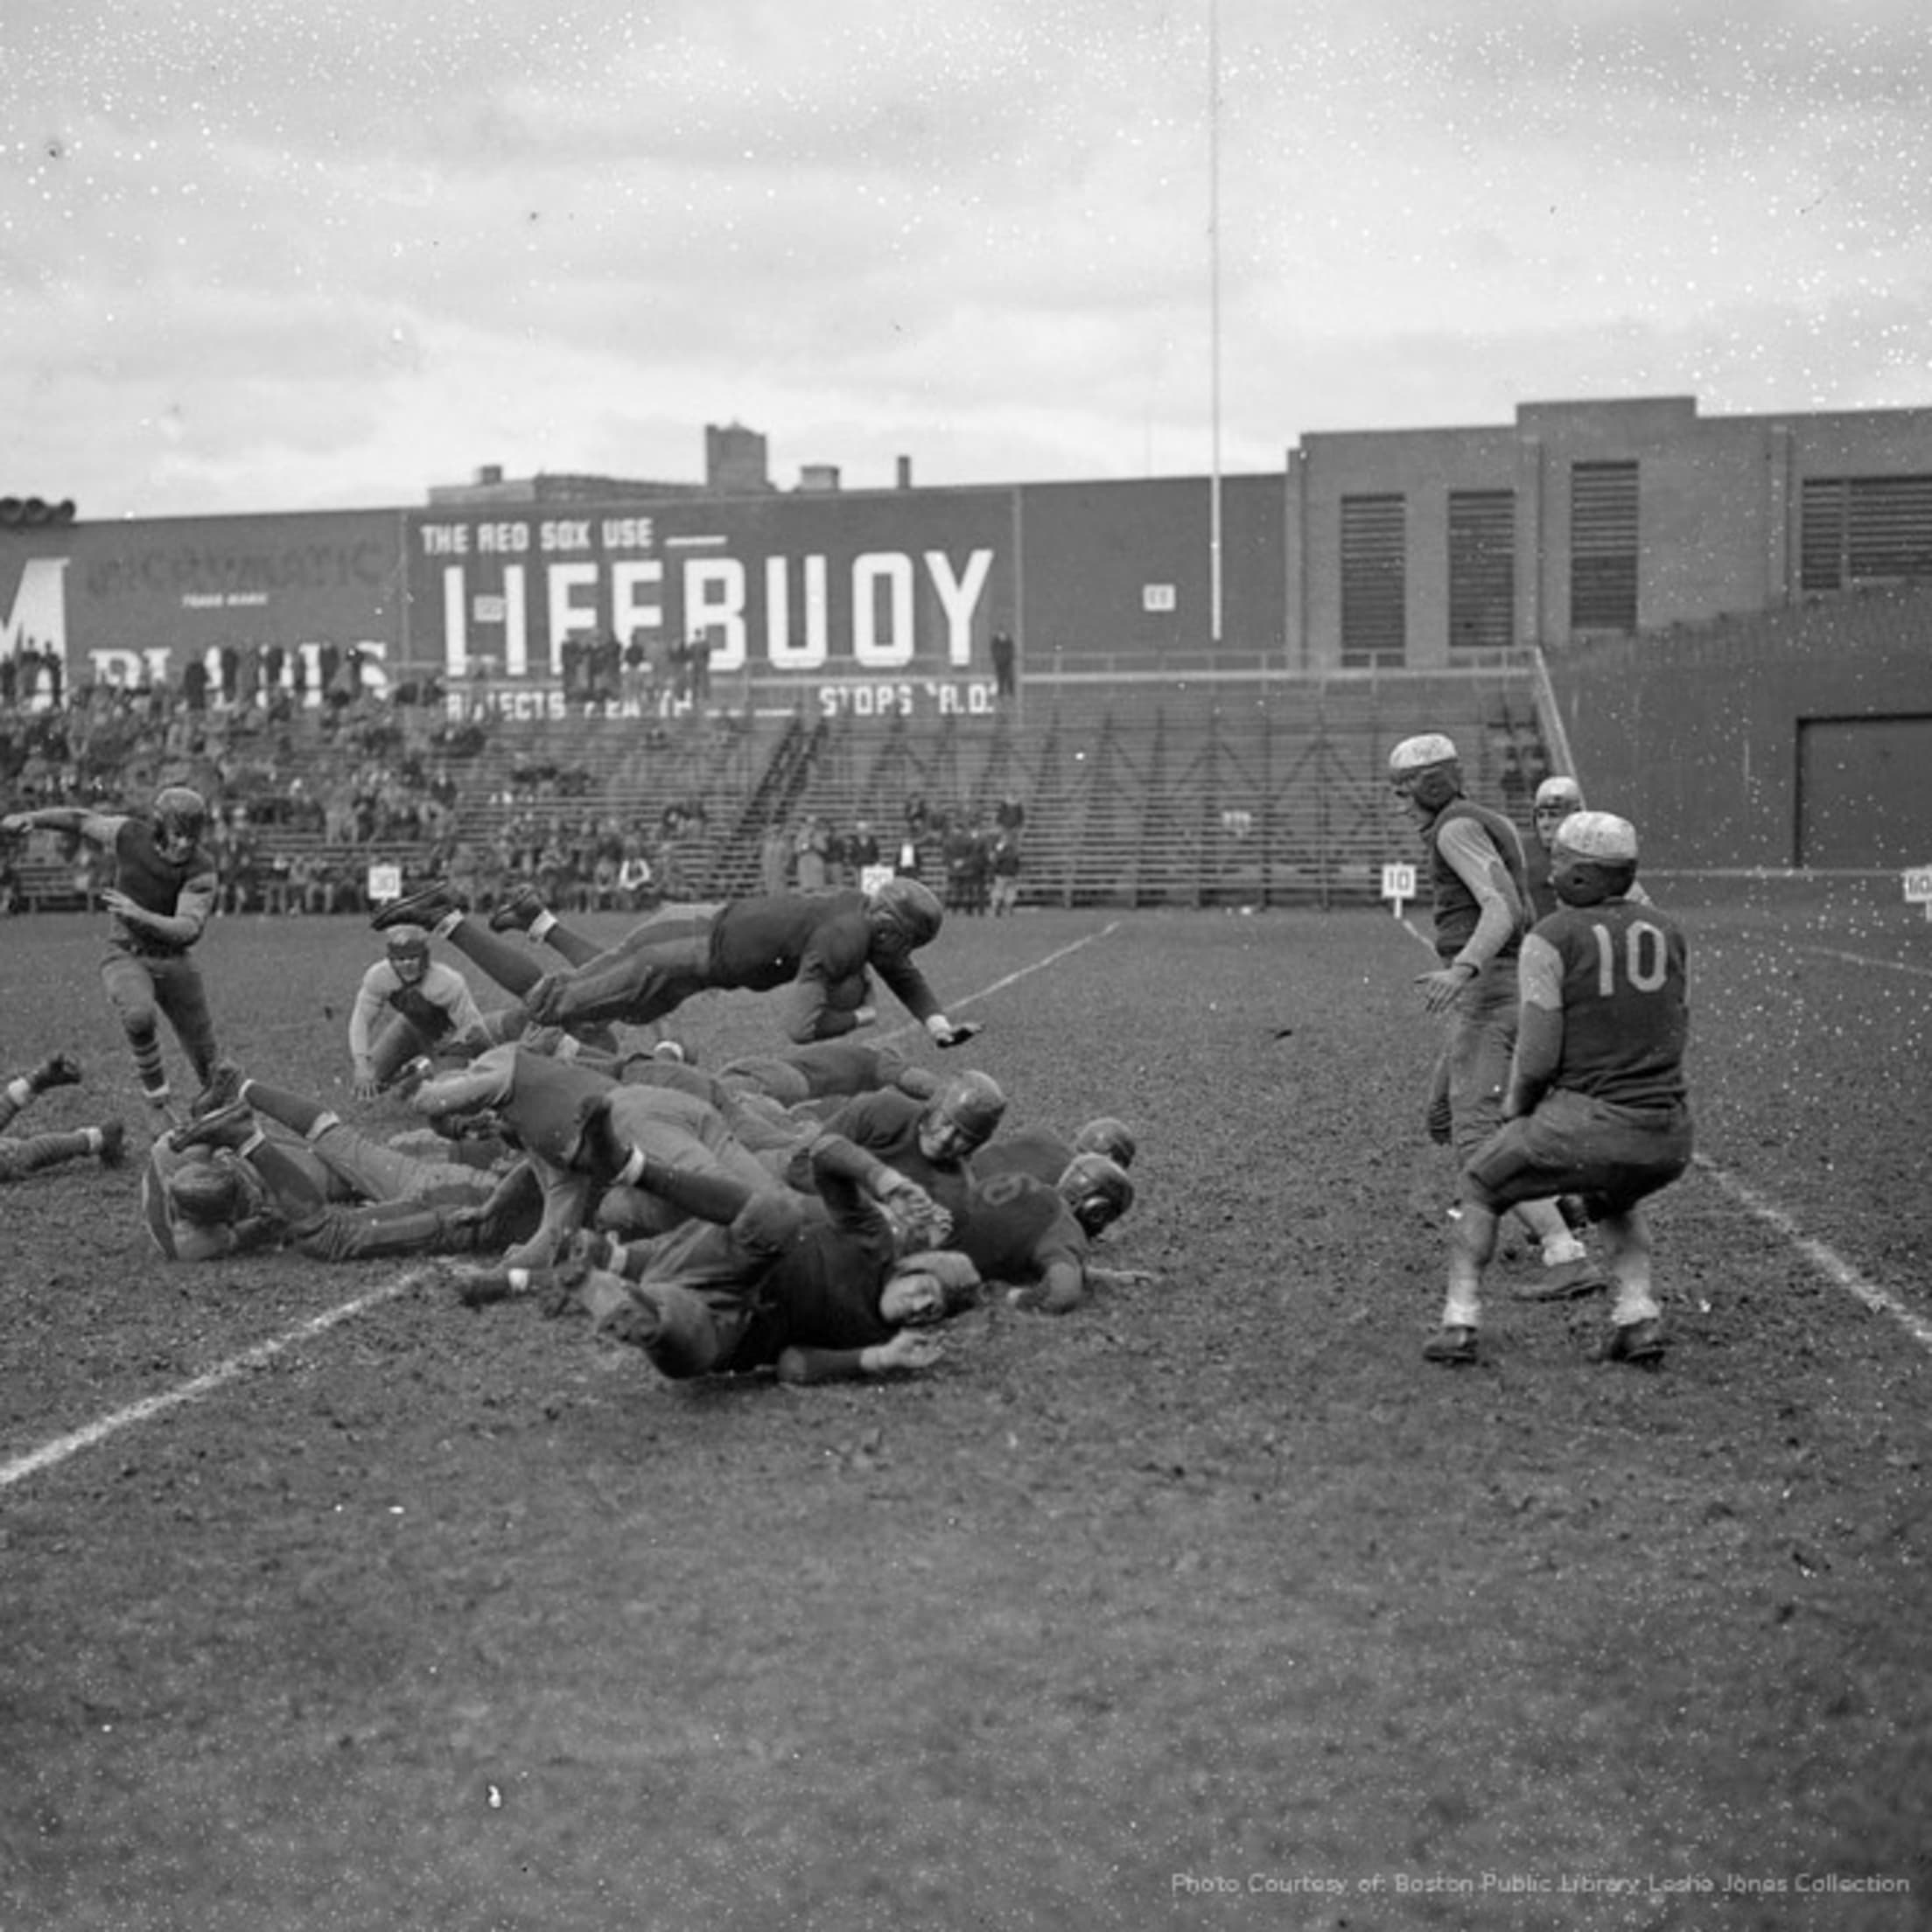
(275, 254)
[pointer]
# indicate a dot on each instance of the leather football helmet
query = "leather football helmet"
(180, 818)
(964, 1113)
(408, 950)
(1105, 1135)
(1097, 1190)
(208, 1192)
(908, 909)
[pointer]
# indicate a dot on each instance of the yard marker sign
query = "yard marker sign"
(1918, 887)
(1399, 886)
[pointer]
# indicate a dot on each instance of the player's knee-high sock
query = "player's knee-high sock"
(1544, 1220)
(148, 1068)
(39, 1151)
(509, 962)
(1627, 1252)
(1470, 1249)
(561, 939)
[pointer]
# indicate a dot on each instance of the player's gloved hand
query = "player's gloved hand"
(365, 1086)
(911, 1348)
(945, 1033)
(1439, 1120)
(15, 822)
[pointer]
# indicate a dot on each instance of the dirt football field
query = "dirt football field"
(330, 1604)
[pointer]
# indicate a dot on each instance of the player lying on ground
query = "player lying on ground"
(25, 1154)
(928, 1142)
(816, 1291)
(592, 1136)
(1035, 1238)
(224, 1185)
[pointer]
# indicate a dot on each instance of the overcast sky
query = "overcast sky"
(317, 254)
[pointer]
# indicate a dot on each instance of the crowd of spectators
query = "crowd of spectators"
(353, 769)
(971, 858)
(307, 792)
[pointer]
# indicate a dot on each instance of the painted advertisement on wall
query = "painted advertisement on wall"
(878, 602)
(119, 603)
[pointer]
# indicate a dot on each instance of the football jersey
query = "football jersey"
(1457, 911)
(1015, 1227)
(1621, 971)
(156, 885)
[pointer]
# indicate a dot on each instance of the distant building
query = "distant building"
(737, 460)
(1424, 547)
(492, 486)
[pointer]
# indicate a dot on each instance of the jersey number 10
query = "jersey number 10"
(1646, 958)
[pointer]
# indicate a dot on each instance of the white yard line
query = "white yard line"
(1864, 959)
(1828, 1262)
(62, 1448)
(49, 1454)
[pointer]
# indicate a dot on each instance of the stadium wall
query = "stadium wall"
(1800, 737)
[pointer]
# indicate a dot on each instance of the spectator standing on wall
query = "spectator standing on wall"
(774, 860)
(861, 850)
(1003, 655)
(809, 848)
(1002, 865)
(635, 878)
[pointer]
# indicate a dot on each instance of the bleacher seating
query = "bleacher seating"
(1270, 791)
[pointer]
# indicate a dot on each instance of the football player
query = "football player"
(821, 948)
(1480, 892)
(1037, 1238)
(928, 1142)
(223, 1184)
(28, 1153)
(407, 1004)
(159, 898)
(1557, 798)
(817, 1296)
(1042, 1153)
(1596, 1103)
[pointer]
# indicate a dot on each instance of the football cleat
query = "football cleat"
(423, 908)
(518, 913)
(56, 1070)
(1453, 1344)
(112, 1150)
(1640, 1343)
(223, 1090)
(226, 1126)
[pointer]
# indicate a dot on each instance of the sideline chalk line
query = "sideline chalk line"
(1828, 1262)
(50, 1454)
(1865, 959)
(62, 1448)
